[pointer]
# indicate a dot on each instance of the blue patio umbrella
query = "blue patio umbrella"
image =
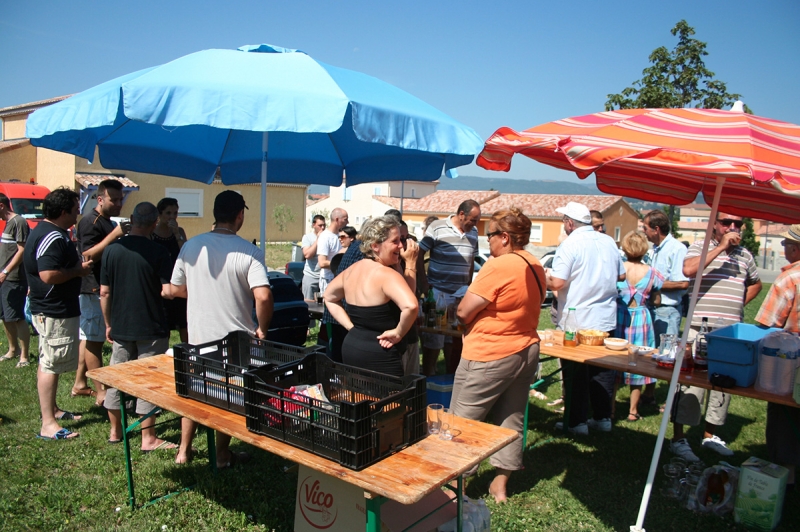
(254, 114)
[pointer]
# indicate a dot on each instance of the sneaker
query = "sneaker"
(683, 449)
(580, 430)
(603, 425)
(715, 444)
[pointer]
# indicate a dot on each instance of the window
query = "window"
(617, 233)
(413, 193)
(536, 232)
(347, 194)
(377, 191)
(190, 201)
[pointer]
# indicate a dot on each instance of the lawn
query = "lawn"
(593, 483)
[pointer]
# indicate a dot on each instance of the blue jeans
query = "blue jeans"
(665, 320)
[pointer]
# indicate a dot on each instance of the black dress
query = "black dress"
(361, 348)
(175, 309)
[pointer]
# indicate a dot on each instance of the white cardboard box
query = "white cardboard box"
(759, 501)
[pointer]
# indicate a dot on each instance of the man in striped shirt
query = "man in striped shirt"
(730, 281)
(453, 245)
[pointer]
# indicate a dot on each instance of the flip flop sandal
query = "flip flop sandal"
(63, 434)
(636, 417)
(83, 392)
(163, 445)
(69, 416)
(23, 364)
(7, 357)
(114, 442)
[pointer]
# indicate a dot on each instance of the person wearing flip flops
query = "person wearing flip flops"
(134, 277)
(13, 284)
(222, 276)
(54, 270)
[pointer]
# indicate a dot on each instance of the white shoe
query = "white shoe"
(603, 425)
(715, 444)
(580, 430)
(683, 449)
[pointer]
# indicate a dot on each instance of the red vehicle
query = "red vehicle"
(26, 200)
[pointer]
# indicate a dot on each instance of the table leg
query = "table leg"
(460, 504)
(567, 373)
(374, 514)
(123, 398)
(212, 449)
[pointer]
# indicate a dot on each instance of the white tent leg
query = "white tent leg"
(264, 147)
(648, 488)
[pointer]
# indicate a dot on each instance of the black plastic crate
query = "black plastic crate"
(213, 372)
(370, 415)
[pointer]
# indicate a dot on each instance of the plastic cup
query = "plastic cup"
(633, 352)
(434, 418)
(446, 429)
(318, 298)
(548, 337)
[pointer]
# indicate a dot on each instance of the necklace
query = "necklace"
(225, 229)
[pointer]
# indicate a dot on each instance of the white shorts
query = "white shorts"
(93, 326)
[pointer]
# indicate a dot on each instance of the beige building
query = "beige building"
(24, 162)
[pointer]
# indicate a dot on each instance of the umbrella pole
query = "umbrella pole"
(648, 488)
(264, 148)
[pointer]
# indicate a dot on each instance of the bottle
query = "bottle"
(715, 490)
(701, 347)
(687, 364)
(430, 309)
(441, 312)
(571, 328)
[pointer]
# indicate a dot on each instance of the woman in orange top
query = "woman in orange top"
(501, 346)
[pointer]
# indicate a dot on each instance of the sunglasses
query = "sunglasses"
(493, 233)
(727, 222)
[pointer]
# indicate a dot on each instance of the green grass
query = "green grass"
(592, 483)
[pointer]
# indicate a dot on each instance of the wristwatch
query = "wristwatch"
(5, 271)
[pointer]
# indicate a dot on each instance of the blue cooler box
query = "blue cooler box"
(440, 389)
(733, 351)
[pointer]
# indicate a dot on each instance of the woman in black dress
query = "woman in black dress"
(170, 235)
(381, 308)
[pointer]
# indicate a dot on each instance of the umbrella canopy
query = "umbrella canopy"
(669, 155)
(208, 111)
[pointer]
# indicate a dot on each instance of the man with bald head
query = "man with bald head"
(134, 277)
(328, 245)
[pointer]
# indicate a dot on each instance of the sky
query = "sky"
(486, 64)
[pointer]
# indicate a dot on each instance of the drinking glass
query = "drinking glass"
(446, 417)
(632, 352)
(434, 418)
(548, 337)
(672, 487)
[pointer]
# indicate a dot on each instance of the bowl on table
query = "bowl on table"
(591, 337)
(617, 344)
(645, 350)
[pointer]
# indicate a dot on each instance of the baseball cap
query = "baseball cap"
(793, 233)
(228, 203)
(577, 212)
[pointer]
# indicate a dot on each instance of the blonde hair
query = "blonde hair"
(376, 231)
(635, 245)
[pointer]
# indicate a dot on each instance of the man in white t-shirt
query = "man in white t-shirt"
(328, 246)
(222, 275)
(311, 269)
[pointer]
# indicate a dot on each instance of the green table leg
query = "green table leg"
(212, 449)
(460, 504)
(123, 398)
(374, 514)
(568, 373)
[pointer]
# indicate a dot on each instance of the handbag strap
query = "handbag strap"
(538, 281)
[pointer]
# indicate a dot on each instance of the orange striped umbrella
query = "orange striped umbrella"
(669, 155)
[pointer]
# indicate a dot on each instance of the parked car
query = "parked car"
(295, 271)
(26, 200)
(547, 262)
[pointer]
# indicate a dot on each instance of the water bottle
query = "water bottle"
(441, 311)
(571, 328)
(701, 347)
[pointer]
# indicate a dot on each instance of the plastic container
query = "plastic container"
(777, 363)
(213, 372)
(440, 389)
(370, 415)
(733, 351)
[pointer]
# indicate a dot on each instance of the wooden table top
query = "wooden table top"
(618, 360)
(406, 476)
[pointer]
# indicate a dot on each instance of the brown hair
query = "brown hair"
(656, 219)
(634, 244)
(516, 224)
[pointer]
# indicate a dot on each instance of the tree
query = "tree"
(677, 78)
(282, 215)
(749, 239)
(674, 216)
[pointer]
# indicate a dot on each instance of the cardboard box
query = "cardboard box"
(759, 501)
(326, 503)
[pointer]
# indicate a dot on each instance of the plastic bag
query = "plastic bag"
(730, 485)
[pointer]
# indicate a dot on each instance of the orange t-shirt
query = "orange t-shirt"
(508, 324)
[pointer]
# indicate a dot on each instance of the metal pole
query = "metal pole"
(264, 148)
(766, 243)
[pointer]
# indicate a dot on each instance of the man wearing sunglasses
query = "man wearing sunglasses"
(729, 281)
